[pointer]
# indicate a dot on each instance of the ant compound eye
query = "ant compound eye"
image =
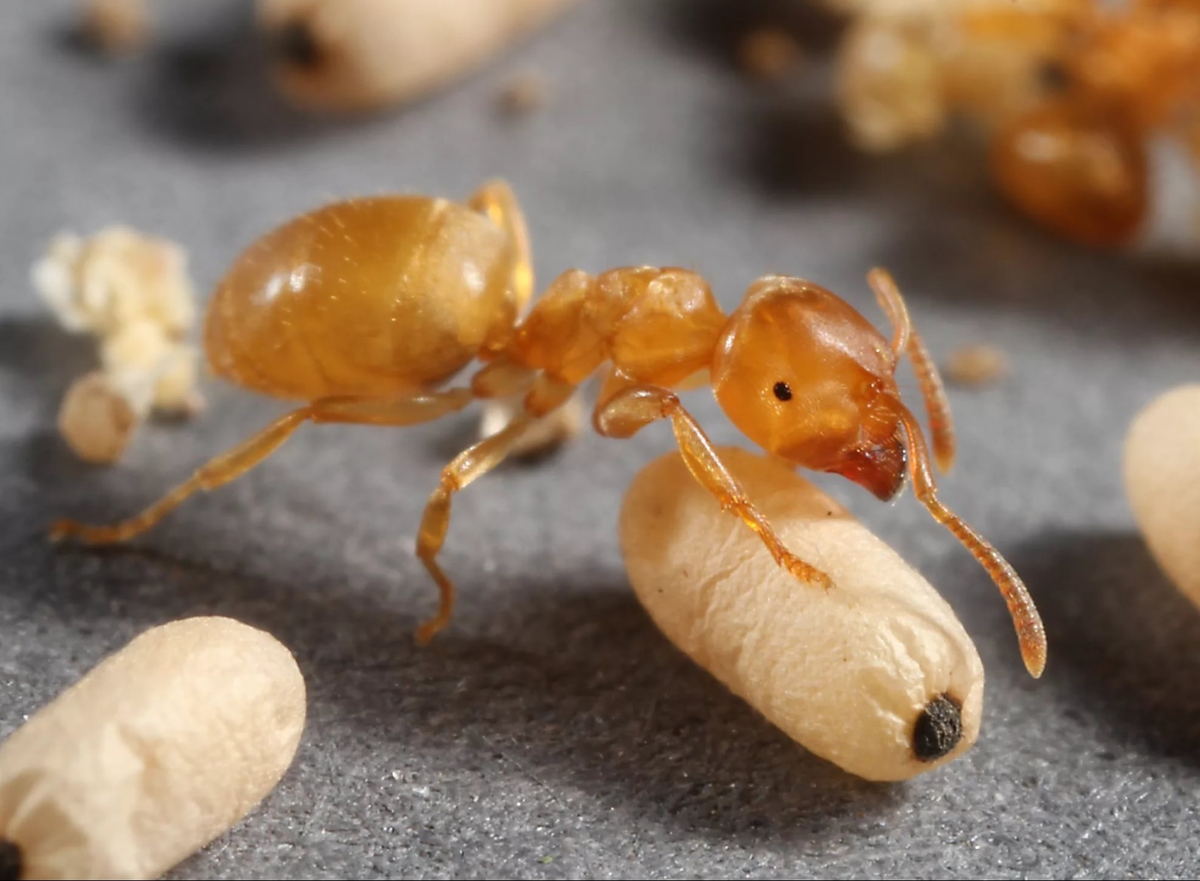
(783, 391)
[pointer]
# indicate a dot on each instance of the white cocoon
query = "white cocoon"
(96, 419)
(155, 752)
(361, 54)
(1162, 480)
(847, 672)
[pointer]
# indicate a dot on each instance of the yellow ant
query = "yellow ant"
(363, 308)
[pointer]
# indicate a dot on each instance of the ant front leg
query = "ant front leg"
(233, 464)
(908, 341)
(627, 410)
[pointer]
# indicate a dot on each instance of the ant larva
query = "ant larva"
(364, 308)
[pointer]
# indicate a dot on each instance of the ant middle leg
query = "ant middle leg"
(469, 465)
(908, 341)
(236, 462)
(630, 408)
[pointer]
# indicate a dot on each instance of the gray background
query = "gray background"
(552, 731)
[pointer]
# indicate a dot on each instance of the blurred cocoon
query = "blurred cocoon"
(1162, 480)
(359, 55)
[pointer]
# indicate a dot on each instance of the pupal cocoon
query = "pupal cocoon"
(357, 55)
(96, 419)
(1162, 480)
(876, 674)
(155, 752)
(116, 26)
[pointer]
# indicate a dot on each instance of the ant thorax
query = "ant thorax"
(654, 325)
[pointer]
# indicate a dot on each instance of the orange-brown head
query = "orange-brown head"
(805, 376)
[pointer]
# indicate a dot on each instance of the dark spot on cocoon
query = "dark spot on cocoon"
(10, 861)
(295, 45)
(938, 729)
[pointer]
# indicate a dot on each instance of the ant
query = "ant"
(365, 308)
(1069, 94)
(1078, 160)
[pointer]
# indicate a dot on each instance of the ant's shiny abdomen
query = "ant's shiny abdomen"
(376, 296)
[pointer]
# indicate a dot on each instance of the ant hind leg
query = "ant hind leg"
(236, 462)
(218, 471)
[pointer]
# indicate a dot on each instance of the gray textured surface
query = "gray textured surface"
(552, 732)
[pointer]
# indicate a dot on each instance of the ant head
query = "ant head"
(807, 378)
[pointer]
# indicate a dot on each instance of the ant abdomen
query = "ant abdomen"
(337, 302)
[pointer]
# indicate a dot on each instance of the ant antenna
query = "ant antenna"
(1030, 631)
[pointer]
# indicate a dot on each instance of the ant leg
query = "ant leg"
(502, 379)
(392, 412)
(1028, 623)
(633, 407)
(218, 471)
(239, 460)
(469, 465)
(908, 341)
(496, 200)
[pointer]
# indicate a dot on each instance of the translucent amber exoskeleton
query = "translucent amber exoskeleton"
(1069, 92)
(365, 309)
(1146, 61)
(340, 302)
(1081, 173)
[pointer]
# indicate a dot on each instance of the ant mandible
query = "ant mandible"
(363, 308)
